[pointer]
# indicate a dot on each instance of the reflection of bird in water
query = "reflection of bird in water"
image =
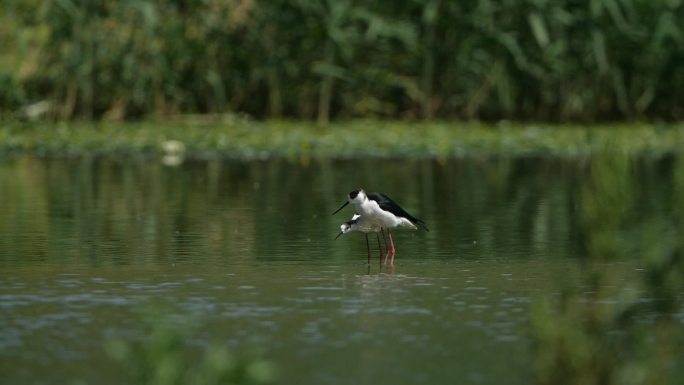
(379, 211)
(364, 225)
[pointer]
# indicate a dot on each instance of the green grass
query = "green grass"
(253, 140)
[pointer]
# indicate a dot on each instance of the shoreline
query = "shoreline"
(373, 139)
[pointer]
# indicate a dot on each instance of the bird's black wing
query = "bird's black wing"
(387, 204)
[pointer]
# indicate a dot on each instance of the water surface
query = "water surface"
(246, 250)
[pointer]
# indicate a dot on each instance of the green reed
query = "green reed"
(531, 59)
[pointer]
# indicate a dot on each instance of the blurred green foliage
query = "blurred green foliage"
(243, 139)
(617, 326)
(165, 357)
(482, 59)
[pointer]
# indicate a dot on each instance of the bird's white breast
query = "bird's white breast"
(366, 225)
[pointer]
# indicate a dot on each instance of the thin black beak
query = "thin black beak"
(345, 203)
(338, 235)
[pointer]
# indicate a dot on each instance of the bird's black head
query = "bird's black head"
(353, 194)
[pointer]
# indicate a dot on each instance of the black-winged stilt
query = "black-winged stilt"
(364, 225)
(381, 211)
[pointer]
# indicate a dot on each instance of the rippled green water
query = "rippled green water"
(246, 250)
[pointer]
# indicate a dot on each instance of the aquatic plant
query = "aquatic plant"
(165, 356)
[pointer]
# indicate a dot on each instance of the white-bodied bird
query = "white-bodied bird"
(362, 224)
(377, 210)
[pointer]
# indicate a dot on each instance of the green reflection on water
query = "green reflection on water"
(248, 248)
(614, 325)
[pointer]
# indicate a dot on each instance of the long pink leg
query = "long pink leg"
(394, 251)
(386, 245)
(368, 247)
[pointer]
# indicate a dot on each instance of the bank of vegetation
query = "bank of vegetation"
(240, 139)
